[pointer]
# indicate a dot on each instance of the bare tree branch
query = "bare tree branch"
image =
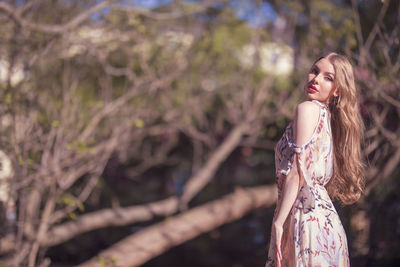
(110, 217)
(388, 169)
(199, 180)
(53, 29)
(155, 240)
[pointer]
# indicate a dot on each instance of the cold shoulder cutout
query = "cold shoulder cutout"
(286, 147)
(305, 123)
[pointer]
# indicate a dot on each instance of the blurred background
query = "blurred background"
(141, 132)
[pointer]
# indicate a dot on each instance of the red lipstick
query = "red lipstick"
(312, 89)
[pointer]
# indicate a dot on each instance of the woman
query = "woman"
(318, 153)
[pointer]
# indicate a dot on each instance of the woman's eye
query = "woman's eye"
(328, 78)
(314, 71)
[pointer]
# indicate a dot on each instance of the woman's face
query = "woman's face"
(320, 81)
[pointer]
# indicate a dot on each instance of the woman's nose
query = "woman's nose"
(316, 78)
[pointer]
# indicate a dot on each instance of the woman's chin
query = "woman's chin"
(311, 97)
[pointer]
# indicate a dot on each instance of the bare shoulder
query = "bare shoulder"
(307, 107)
(306, 120)
(307, 111)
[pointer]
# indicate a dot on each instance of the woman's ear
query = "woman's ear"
(336, 92)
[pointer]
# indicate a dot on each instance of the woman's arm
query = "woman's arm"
(289, 194)
(306, 120)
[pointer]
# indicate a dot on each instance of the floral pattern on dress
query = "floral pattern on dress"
(313, 234)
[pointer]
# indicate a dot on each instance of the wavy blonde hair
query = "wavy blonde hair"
(347, 182)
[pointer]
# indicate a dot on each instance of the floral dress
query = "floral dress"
(313, 234)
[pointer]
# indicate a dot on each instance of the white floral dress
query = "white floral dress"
(313, 234)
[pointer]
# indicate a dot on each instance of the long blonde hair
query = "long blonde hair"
(347, 182)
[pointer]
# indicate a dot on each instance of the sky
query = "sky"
(256, 16)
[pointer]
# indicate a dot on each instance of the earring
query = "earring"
(336, 101)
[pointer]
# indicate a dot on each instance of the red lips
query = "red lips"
(312, 88)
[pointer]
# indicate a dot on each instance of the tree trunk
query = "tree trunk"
(139, 248)
(109, 217)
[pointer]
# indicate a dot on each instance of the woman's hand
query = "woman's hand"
(277, 231)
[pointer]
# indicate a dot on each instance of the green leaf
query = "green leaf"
(80, 205)
(102, 261)
(20, 160)
(8, 99)
(55, 123)
(72, 215)
(139, 123)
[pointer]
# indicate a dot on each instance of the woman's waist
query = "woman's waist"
(317, 182)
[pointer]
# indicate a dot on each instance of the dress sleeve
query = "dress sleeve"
(306, 157)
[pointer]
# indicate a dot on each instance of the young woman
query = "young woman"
(318, 159)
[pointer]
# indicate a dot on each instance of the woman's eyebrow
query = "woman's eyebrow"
(326, 72)
(333, 74)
